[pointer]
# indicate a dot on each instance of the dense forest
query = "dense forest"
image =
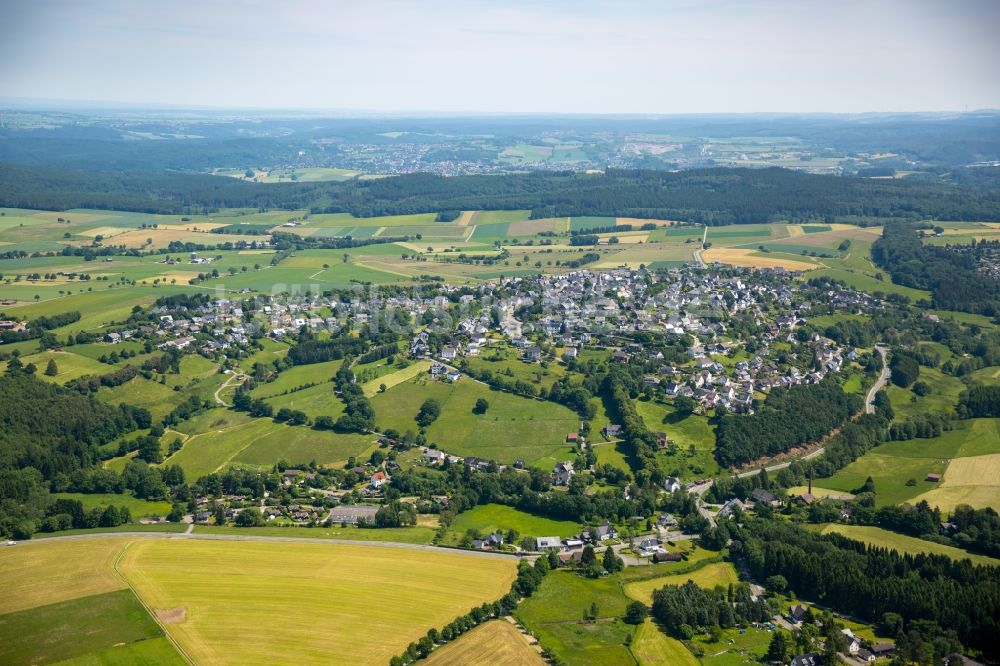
(707, 196)
(927, 594)
(49, 434)
(949, 275)
(789, 417)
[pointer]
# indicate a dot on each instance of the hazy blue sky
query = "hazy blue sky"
(569, 56)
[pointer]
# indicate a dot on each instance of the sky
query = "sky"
(567, 56)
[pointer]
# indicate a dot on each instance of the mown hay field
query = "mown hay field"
(239, 603)
(876, 536)
(753, 259)
(38, 574)
(651, 646)
(496, 642)
(710, 575)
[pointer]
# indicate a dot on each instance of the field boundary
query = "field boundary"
(149, 611)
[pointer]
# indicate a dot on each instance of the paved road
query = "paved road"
(701, 248)
(238, 377)
(879, 384)
(254, 537)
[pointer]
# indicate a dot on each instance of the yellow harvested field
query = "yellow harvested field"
(973, 471)
(973, 480)
(948, 498)
(255, 252)
(259, 602)
(710, 575)
(398, 377)
(795, 230)
(106, 232)
(496, 642)
(752, 259)
(794, 491)
(464, 219)
(38, 573)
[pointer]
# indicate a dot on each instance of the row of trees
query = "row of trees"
(529, 577)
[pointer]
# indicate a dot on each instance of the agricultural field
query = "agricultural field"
(513, 428)
(205, 594)
(496, 642)
(238, 439)
(966, 456)
(708, 575)
(553, 614)
(876, 536)
(64, 601)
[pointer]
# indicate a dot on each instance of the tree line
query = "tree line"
(702, 196)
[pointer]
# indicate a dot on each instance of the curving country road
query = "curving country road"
(879, 384)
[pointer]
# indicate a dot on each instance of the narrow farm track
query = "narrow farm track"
(252, 537)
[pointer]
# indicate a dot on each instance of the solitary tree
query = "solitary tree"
(52, 369)
(635, 613)
(482, 404)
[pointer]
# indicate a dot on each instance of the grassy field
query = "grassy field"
(652, 647)
(416, 535)
(398, 377)
(223, 596)
(943, 395)
(709, 575)
(152, 651)
(491, 517)
(904, 544)
(513, 427)
(260, 442)
(78, 627)
(496, 642)
(966, 456)
(138, 508)
(554, 614)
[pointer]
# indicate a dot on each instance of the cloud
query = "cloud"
(631, 56)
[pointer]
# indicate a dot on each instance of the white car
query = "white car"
(10, 543)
